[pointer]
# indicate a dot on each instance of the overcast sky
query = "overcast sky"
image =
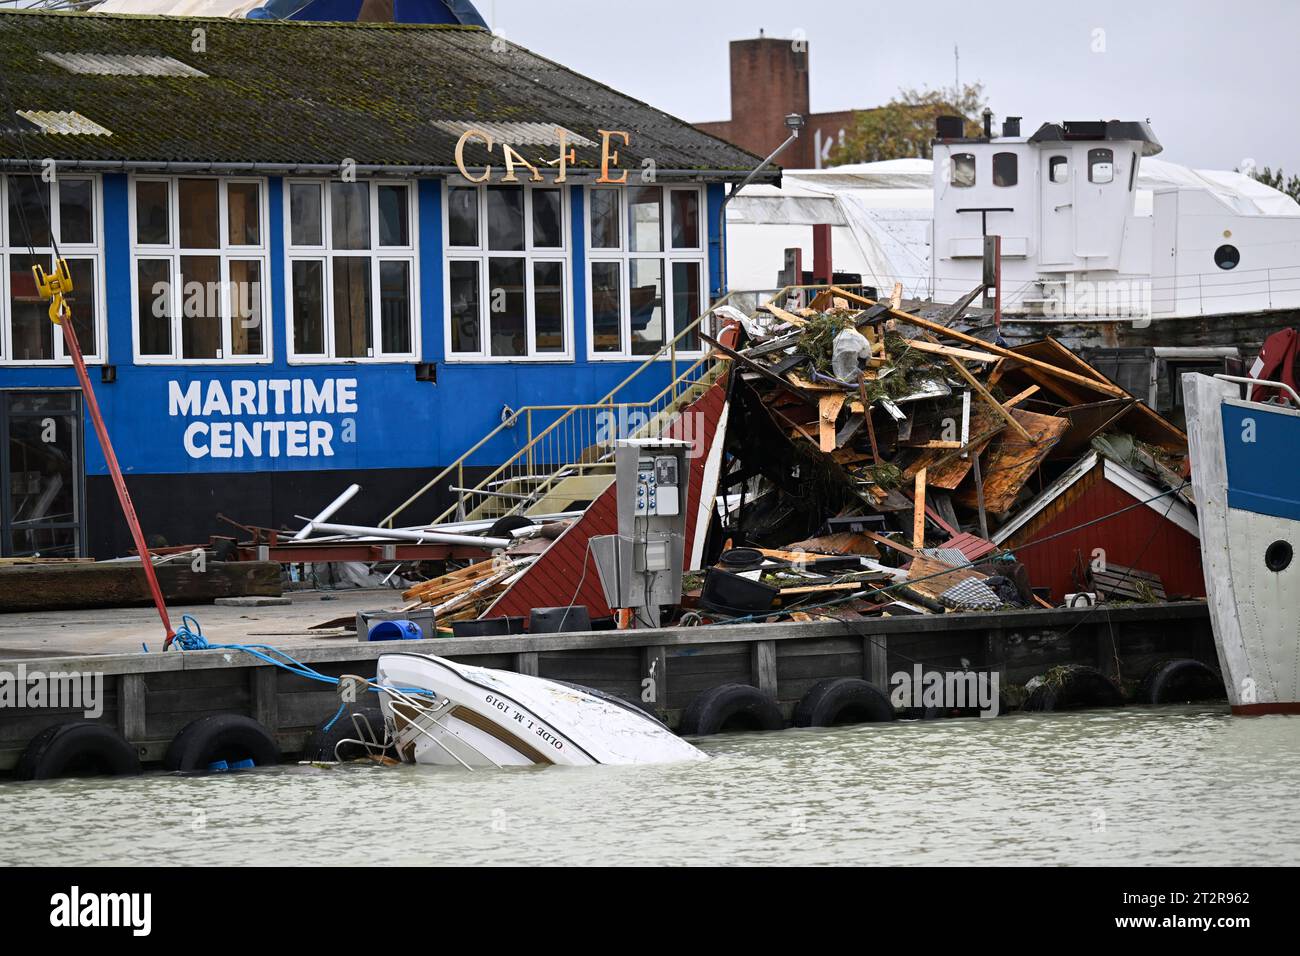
(1217, 80)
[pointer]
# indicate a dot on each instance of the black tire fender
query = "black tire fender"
(75, 749)
(730, 707)
(842, 700)
(1180, 681)
(322, 745)
(1073, 686)
(229, 737)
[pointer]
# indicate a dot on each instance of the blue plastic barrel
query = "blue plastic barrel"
(394, 631)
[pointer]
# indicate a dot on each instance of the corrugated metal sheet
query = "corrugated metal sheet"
(1139, 538)
(565, 573)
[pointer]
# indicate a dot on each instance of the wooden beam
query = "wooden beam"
(782, 314)
(918, 512)
(1015, 400)
(934, 348)
(871, 428)
(763, 666)
(955, 311)
(828, 410)
(1104, 387)
(889, 543)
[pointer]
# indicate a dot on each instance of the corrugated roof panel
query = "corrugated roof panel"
(121, 64)
(68, 122)
(516, 134)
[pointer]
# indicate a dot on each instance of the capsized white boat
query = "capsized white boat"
(441, 712)
(1246, 481)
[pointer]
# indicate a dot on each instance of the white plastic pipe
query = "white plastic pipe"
(328, 512)
(425, 537)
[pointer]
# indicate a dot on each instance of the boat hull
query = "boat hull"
(1246, 481)
(491, 718)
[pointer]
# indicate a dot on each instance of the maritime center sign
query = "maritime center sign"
(264, 418)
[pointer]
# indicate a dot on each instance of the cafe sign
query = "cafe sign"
(513, 159)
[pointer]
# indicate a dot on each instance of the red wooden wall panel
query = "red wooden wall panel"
(1139, 538)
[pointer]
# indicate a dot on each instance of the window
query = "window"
(30, 210)
(1005, 169)
(1227, 257)
(351, 270)
(1058, 169)
(199, 269)
(1132, 172)
(507, 273)
(963, 169)
(646, 250)
(1101, 166)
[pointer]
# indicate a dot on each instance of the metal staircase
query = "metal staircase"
(566, 454)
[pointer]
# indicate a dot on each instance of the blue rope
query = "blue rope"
(189, 637)
(335, 719)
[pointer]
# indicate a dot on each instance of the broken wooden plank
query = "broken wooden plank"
(918, 511)
(782, 314)
(828, 412)
(935, 348)
(1010, 463)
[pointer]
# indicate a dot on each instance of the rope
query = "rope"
(189, 637)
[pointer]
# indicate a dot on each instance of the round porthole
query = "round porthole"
(1278, 556)
(1226, 257)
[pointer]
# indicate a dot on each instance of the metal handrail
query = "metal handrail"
(1267, 383)
(668, 351)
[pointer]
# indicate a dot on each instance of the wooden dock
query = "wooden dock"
(150, 697)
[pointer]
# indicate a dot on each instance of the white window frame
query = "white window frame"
(623, 256)
(325, 253)
(530, 254)
(225, 252)
(12, 243)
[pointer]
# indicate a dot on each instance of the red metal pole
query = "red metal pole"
(123, 496)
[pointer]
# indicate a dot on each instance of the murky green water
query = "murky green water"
(1168, 785)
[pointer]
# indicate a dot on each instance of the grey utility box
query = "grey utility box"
(641, 566)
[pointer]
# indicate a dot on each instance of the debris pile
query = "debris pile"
(928, 454)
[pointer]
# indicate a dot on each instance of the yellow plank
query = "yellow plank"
(918, 512)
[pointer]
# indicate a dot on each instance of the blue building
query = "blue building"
(307, 254)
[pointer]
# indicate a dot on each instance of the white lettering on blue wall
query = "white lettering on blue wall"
(298, 436)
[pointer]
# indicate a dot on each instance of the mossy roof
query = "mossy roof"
(315, 93)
